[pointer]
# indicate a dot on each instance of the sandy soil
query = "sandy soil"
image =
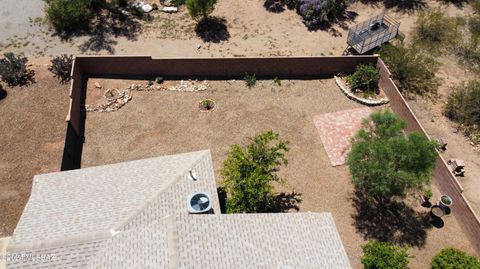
(163, 122)
(32, 134)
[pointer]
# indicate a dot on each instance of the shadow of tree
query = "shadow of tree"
(406, 6)
(329, 26)
(457, 3)
(275, 6)
(212, 29)
(392, 222)
(109, 24)
(284, 202)
(3, 93)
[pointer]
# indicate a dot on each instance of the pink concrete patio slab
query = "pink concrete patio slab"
(337, 129)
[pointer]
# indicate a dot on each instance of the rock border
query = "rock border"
(348, 92)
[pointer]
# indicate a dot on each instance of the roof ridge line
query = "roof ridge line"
(66, 241)
(118, 225)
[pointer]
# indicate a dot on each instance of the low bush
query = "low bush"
(434, 30)
(69, 15)
(380, 255)
(365, 78)
(413, 71)
(14, 71)
(250, 80)
(61, 67)
(451, 258)
(463, 107)
(317, 12)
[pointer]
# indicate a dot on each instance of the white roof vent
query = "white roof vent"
(199, 202)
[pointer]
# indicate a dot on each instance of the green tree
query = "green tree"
(413, 71)
(69, 15)
(365, 78)
(385, 162)
(200, 8)
(380, 255)
(451, 258)
(249, 171)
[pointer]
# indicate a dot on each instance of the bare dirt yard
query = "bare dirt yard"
(32, 131)
(167, 122)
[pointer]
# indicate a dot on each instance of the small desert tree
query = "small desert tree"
(463, 107)
(434, 30)
(451, 258)
(14, 70)
(200, 8)
(415, 72)
(380, 255)
(385, 162)
(249, 172)
(68, 16)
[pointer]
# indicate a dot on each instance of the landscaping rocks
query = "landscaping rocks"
(348, 92)
(170, 9)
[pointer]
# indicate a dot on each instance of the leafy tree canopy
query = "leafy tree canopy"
(380, 255)
(386, 162)
(249, 171)
(451, 258)
(200, 8)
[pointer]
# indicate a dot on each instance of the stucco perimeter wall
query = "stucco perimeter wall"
(219, 68)
(444, 179)
(146, 67)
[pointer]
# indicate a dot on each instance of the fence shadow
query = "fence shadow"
(392, 222)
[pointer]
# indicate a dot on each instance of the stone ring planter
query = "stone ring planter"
(348, 92)
(207, 105)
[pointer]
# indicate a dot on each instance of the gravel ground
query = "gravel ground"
(160, 123)
(32, 133)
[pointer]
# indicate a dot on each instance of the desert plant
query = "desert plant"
(277, 81)
(427, 193)
(451, 258)
(61, 67)
(178, 2)
(434, 30)
(207, 104)
(13, 69)
(250, 170)
(474, 29)
(381, 255)
(316, 12)
(413, 71)
(463, 107)
(385, 162)
(475, 5)
(159, 79)
(365, 78)
(250, 80)
(69, 15)
(200, 8)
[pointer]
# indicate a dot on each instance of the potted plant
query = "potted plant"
(445, 202)
(426, 196)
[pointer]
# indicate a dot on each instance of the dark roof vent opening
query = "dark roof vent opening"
(191, 175)
(199, 202)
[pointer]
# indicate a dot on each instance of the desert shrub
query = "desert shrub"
(250, 170)
(69, 15)
(380, 255)
(434, 30)
(413, 71)
(451, 258)
(178, 2)
(317, 12)
(61, 67)
(119, 3)
(475, 5)
(13, 69)
(200, 8)
(365, 78)
(474, 29)
(207, 104)
(463, 107)
(250, 80)
(377, 159)
(277, 81)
